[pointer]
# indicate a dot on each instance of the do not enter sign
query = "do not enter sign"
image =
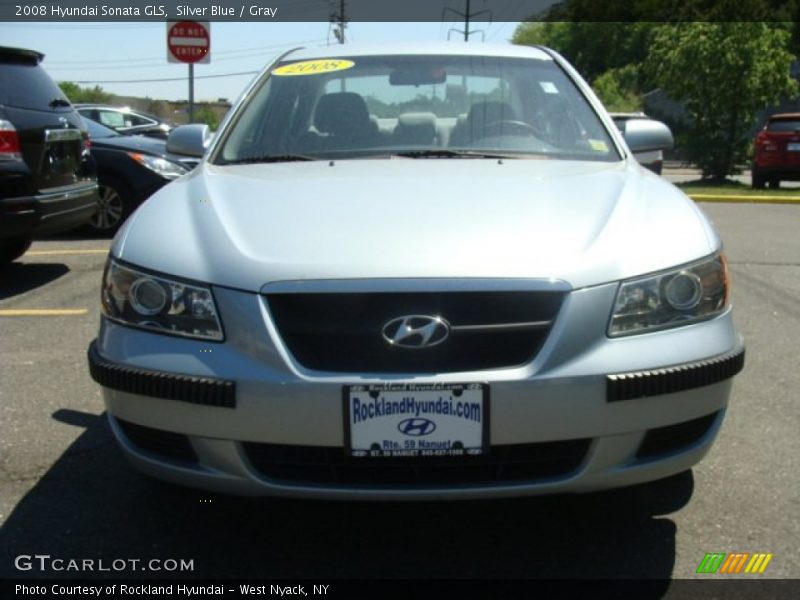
(189, 42)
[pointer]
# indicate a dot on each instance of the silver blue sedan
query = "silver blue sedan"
(416, 272)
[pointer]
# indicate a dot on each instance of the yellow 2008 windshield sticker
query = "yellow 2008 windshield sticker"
(598, 145)
(314, 67)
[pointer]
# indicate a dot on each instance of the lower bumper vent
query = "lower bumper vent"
(674, 438)
(503, 464)
(164, 444)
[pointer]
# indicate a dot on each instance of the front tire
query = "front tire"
(114, 207)
(759, 181)
(12, 249)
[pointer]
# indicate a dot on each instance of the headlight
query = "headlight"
(162, 166)
(159, 303)
(677, 297)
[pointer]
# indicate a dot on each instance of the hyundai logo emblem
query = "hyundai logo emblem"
(416, 331)
(417, 427)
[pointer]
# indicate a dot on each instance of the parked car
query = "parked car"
(129, 169)
(653, 160)
(357, 294)
(125, 121)
(46, 180)
(776, 152)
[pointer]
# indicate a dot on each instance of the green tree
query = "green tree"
(591, 47)
(206, 115)
(723, 73)
(76, 93)
(607, 54)
(616, 88)
(675, 11)
(160, 108)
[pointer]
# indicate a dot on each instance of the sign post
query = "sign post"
(189, 42)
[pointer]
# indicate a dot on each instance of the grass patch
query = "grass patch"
(734, 188)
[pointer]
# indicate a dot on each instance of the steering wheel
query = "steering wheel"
(509, 127)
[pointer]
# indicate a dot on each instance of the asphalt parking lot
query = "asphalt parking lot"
(66, 491)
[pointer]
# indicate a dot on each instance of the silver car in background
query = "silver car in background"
(417, 272)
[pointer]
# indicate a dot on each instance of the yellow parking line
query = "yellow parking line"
(42, 312)
(750, 199)
(57, 252)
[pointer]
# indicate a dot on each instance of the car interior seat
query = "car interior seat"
(415, 129)
(343, 122)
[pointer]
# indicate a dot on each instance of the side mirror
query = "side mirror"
(189, 140)
(647, 135)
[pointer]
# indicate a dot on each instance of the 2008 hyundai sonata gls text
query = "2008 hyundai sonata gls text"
(417, 272)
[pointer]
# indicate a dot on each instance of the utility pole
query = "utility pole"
(191, 92)
(466, 23)
(340, 23)
(468, 16)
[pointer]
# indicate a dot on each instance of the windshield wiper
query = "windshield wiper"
(270, 158)
(447, 153)
(59, 102)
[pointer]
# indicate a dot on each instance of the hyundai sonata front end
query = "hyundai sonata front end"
(414, 273)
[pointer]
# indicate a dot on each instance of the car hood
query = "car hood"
(585, 223)
(134, 143)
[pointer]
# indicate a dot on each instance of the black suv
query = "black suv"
(47, 181)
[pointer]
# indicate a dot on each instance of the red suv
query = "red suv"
(776, 155)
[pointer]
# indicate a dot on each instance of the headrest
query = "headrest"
(341, 113)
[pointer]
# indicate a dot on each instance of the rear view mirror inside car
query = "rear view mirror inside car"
(417, 76)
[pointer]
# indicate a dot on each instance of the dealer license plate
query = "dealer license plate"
(409, 420)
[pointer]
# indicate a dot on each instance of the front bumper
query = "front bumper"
(243, 417)
(784, 171)
(45, 214)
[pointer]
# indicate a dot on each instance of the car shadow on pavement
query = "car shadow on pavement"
(92, 504)
(17, 278)
(78, 235)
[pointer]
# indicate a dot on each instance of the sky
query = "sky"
(105, 53)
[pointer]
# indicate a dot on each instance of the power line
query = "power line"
(500, 29)
(511, 12)
(78, 63)
(163, 64)
(87, 81)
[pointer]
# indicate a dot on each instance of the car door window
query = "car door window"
(111, 118)
(138, 120)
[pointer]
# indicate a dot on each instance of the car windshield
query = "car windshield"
(784, 125)
(416, 106)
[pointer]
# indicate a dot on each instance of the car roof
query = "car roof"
(787, 116)
(91, 105)
(22, 54)
(125, 109)
(427, 48)
(628, 115)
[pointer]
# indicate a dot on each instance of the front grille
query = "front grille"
(164, 444)
(344, 332)
(674, 438)
(515, 463)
